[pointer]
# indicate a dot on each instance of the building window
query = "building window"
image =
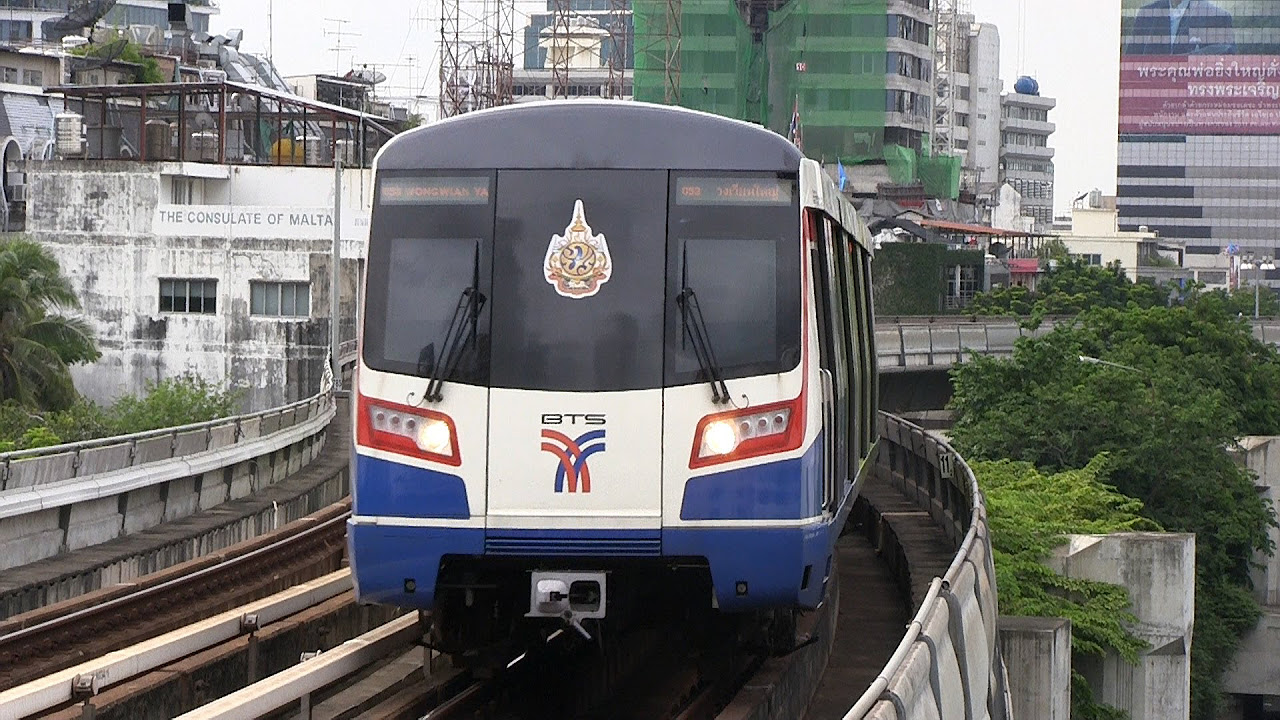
(280, 299)
(189, 296)
(33, 77)
(184, 191)
(15, 30)
(8, 74)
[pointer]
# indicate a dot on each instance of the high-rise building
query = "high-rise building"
(24, 22)
(1026, 160)
(1199, 155)
(977, 106)
(853, 76)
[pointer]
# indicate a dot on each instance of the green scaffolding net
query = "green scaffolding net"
(824, 60)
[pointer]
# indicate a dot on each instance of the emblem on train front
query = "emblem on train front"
(578, 262)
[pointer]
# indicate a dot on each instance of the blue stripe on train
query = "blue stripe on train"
(384, 488)
(784, 490)
(767, 563)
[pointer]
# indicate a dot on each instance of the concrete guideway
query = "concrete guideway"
(103, 505)
(61, 687)
(277, 498)
(915, 344)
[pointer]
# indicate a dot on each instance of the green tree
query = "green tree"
(37, 342)
(124, 50)
(1030, 514)
(177, 401)
(1069, 288)
(1196, 381)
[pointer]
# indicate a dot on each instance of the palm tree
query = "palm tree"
(37, 342)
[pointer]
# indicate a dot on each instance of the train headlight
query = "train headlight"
(719, 438)
(412, 431)
(748, 433)
(435, 436)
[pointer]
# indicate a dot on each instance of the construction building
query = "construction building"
(852, 77)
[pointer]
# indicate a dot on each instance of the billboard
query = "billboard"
(1200, 67)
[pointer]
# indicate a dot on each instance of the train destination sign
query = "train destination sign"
(734, 191)
(434, 191)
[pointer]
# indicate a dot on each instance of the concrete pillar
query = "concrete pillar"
(1262, 456)
(1037, 658)
(1158, 570)
(1256, 668)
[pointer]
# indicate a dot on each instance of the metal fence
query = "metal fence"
(42, 466)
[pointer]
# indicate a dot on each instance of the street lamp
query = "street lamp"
(1257, 264)
(1100, 361)
(1151, 383)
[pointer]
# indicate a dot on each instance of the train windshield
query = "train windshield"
(577, 275)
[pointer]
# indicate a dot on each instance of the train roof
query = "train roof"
(610, 134)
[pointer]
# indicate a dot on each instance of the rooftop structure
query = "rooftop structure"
(221, 122)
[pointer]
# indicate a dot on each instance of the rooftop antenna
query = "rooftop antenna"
(337, 49)
(271, 30)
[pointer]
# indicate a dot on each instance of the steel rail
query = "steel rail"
(59, 688)
(285, 687)
(113, 606)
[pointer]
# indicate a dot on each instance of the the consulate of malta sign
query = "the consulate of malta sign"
(258, 221)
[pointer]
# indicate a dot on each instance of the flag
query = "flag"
(794, 132)
(844, 178)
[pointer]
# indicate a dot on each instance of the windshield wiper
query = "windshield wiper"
(462, 325)
(465, 320)
(696, 328)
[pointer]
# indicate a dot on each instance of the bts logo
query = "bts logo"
(572, 455)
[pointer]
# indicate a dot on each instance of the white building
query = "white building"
(977, 106)
(1025, 156)
(582, 50)
(217, 270)
(213, 255)
(1095, 236)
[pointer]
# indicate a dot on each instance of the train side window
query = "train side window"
(869, 347)
(866, 345)
(836, 311)
(849, 294)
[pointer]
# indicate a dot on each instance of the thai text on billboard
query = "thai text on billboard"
(1200, 67)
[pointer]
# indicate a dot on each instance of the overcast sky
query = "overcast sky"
(1070, 46)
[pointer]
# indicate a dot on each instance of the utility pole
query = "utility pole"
(271, 31)
(335, 286)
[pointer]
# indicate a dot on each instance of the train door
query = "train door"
(575, 406)
(834, 360)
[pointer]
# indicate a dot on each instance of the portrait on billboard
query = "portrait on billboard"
(1200, 67)
(1181, 27)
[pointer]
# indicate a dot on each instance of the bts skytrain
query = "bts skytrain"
(609, 352)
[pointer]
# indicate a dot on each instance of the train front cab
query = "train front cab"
(522, 456)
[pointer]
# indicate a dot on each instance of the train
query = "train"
(611, 354)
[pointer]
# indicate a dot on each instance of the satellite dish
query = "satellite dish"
(367, 76)
(998, 249)
(204, 121)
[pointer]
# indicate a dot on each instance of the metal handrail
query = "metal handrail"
(915, 629)
(347, 349)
